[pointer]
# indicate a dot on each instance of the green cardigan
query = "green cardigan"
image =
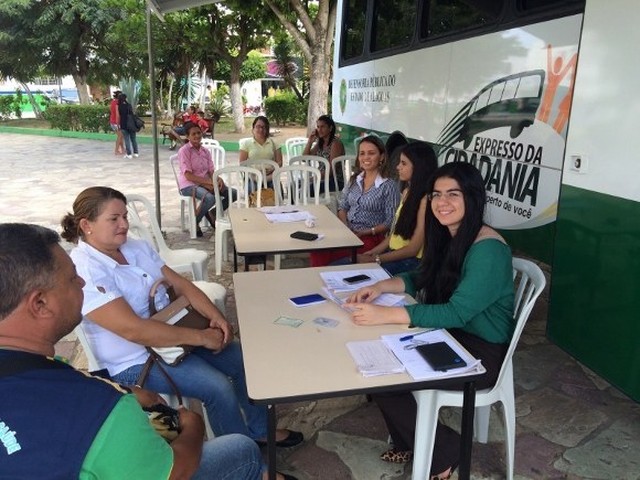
(482, 303)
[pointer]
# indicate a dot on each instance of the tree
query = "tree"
(63, 37)
(231, 35)
(286, 65)
(315, 41)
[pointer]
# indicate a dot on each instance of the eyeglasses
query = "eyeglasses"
(449, 195)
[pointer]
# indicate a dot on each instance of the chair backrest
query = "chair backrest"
(218, 155)
(295, 182)
(294, 146)
(143, 223)
(92, 363)
(209, 142)
(265, 166)
(529, 282)
(318, 162)
(175, 167)
(244, 180)
(345, 164)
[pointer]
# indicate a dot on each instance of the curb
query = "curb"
(229, 146)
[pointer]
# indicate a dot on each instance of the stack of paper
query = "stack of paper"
(403, 347)
(338, 290)
(374, 358)
(286, 214)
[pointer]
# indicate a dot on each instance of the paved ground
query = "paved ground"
(571, 423)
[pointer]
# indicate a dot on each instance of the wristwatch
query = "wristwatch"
(377, 258)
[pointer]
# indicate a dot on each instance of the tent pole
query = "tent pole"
(154, 122)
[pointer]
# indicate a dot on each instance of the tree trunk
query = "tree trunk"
(37, 111)
(318, 87)
(235, 93)
(82, 87)
(169, 101)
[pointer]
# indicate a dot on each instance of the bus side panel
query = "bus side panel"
(595, 302)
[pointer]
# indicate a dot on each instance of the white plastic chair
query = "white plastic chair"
(218, 155)
(186, 201)
(189, 260)
(264, 166)
(323, 165)
(209, 142)
(294, 146)
(245, 177)
(530, 282)
(295, 183)
(345, 164)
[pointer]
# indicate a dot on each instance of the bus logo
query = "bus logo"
(511, 101)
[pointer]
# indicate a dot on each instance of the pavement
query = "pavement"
(571, 424)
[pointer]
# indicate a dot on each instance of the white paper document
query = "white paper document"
(417, 366)
(334, 280)
(384, 300)
(286, 214)
(373, 358)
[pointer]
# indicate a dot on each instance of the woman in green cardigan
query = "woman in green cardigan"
(464, 284)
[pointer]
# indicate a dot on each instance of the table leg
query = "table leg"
(468, 410)
(271, 441)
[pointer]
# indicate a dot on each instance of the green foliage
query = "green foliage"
(284, 108)
(10, 106)
(81, 118)
(218, 107)
(253, 68)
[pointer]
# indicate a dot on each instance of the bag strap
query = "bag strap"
(154, 289)
(154, 358)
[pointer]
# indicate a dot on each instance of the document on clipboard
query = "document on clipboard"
(406, 349)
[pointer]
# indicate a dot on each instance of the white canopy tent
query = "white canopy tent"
(159, 8)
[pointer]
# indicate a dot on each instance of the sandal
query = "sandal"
(451, 469)
(397, 456)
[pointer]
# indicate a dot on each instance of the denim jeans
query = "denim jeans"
(231, 457)
(393, 268)
(217, 380)
(130, 141)
(209, 200)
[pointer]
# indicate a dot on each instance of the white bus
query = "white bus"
(540, 95)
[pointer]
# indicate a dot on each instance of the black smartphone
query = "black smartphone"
(304, 236)
(441, 356)
(356, 279)
(306, 300)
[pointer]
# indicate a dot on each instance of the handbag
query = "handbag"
(180, 313)
(267, 198)
(138, 122)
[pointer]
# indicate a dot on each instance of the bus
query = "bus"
(541, 96)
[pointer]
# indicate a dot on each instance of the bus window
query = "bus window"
(393, 24)
(528, 5)
(355, 14)
(443, 17)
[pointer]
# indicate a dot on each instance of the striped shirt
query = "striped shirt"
(376, 206)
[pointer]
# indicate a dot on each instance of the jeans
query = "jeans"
(231, 457)
(217, 380)
(393, 268)
(208, 200)
(130, 141)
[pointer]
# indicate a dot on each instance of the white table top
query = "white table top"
(284, 363)
(253, 234)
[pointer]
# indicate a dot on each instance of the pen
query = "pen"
(409, 337)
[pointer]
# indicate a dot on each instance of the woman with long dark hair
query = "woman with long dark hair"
(402, 249)
(324, 143)
(464, 284)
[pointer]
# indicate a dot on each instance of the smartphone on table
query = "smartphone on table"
(307, 300)
(356, 279)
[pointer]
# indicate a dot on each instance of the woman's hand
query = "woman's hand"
(213, 339)
(366, 258)
(367, 314)
(365, 295)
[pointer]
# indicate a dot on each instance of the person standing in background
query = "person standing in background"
(114, 121)
(127, 126)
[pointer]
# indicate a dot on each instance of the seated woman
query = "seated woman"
(464, 284)
(119, 273)
(195, 176)
(324, 143)
(260, 146)
(367, 203)
(401, 250)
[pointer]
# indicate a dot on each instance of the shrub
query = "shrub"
(10, 106)
(283, 108)
(81, 118)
